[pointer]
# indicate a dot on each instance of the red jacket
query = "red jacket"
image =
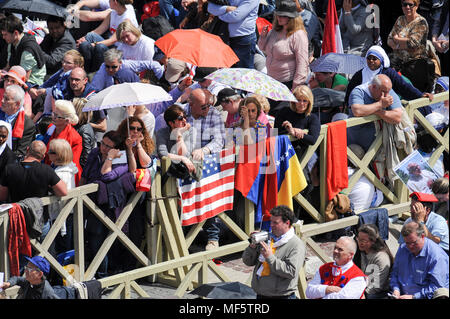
(76, 142)
(18, 240)
(327, 278)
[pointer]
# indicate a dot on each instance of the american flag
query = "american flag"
(213, 194)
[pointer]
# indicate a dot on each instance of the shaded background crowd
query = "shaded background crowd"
(48, 77)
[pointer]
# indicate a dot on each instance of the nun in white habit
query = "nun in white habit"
(6, 154)
(377, 62)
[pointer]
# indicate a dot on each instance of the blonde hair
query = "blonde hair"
(265, 105)
(78, 59)
(67, 108)
(303, 91)
(293, 25)
(63, 150)
(127, 26)
(78, 104)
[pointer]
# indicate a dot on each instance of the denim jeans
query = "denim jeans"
(96, 234)
(172, 11)
(244, 47)
(212, 228)
(93, 55)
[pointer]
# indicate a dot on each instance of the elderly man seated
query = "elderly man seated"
(340, 279)
(375, 97)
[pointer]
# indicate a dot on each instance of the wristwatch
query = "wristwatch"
(110, 159)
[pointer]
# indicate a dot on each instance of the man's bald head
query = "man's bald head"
(37, 150)
(199, 101)
(381, 84)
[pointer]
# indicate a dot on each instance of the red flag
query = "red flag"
(332, 41)
(337, 172)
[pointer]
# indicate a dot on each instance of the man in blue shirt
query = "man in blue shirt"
(241, 18)
(435, 226)
(115, 70)
(375, 97)
(420, 266)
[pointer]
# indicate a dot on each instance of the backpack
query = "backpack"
(156, 27)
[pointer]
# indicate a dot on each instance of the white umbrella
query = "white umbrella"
(126, 94)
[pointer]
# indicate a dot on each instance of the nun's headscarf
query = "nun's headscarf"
(443, 82)
(380, 54)
(9, 140)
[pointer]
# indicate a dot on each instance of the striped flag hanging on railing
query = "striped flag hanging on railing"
(213, 194)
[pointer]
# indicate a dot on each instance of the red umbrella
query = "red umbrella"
(197, 47)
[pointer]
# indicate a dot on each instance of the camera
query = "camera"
(258, 237)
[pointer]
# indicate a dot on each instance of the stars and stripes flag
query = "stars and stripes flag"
(213, 194)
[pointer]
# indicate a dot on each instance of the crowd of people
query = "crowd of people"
(48, 143)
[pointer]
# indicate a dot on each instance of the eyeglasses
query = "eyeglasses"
(371, 58)
(205, 106)
(51, 152)
(135, 128)
(362, 241)
(111, 66)
(412, 243)
(54, 115)
(409, 5)
(106, 145)
(30, 269)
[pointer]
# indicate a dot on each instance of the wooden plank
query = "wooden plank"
(219, 273)
(318, 251)
(141, 292)
(232, 226)
(181, 290)
(302, 284)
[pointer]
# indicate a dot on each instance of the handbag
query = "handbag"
(177, 170)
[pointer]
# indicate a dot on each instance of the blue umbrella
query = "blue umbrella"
(338, 63)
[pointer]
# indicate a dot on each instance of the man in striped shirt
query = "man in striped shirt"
(208, 137)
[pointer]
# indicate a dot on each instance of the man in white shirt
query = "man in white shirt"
(340, 279)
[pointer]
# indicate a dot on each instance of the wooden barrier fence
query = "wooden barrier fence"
(164, 255)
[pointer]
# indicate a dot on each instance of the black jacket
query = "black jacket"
(27, 43)
(54, 50)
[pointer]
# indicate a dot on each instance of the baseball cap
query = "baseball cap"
(224, 94)
(423, 197)
(40, 262)
(174, 69)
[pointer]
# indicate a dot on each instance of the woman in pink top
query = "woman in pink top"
(286, 46)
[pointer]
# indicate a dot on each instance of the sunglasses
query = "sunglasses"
(135, 128)
(111, 66)
(106, 145)
(3, 136)
(205, 106)
(409, 5)
(371, 58)
(56, 116)
(51, 152)
(181, 117)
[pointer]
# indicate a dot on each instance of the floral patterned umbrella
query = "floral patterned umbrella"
(253, 81)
